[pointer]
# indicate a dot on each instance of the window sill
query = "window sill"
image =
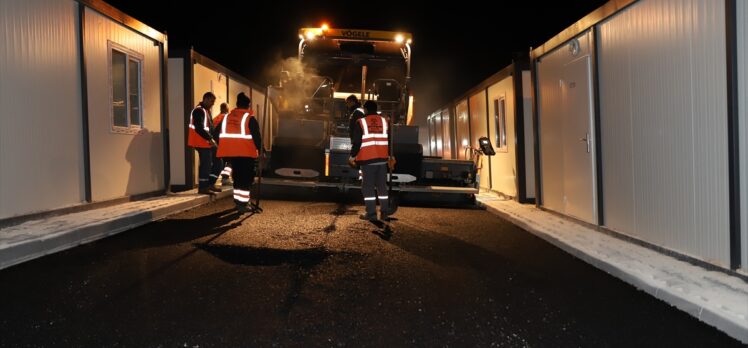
(135, 130)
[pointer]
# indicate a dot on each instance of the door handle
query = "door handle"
(587, 140)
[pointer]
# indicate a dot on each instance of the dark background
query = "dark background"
(454, 46)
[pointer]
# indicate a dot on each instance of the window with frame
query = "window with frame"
(126, 70)
(499, 106)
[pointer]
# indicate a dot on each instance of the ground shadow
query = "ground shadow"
(254, 256)
(300, 261)
(444, 250)
(383, 230)
(175, 231)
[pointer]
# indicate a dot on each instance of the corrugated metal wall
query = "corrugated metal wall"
(446, 133)
(41, 107)
(462, 130)
(529, 136)
(122, 164)
(504, 163)
(438, 124)
(479, 128)
(742, 22)
(552, 122)
(664, 125)
(432, 134)
(177, 141)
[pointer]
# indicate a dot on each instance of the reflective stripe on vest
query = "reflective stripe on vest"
(373, 145)
(236, 138)
(242, 135)
(193, 138)
(370, 139)
(205, 119)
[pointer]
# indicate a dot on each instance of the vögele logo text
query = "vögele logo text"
(359, 34)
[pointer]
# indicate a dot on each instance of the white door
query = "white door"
(579, 147)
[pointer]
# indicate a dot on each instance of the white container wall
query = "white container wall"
(40, 94)
(502, 135)
(742, 23)
(177, 141)
(446, 133)
(479, 128)
(664, 125)
(236, 87)
(462, 129)
(529, 136)
(565, 116)
(208, 80)
(129, 162)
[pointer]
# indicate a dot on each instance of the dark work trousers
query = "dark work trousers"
(210, 167)
(243, 171)
(374, 177)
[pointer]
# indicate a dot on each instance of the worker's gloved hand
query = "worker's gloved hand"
(391, 163)
(352, 162)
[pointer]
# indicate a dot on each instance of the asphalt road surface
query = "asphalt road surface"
(310, 273)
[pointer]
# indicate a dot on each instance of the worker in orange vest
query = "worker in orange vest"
(239, 142)
(370, 150)
(200, 138)
(226, 172)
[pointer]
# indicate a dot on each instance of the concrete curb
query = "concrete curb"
(680, 301)
(15, 252)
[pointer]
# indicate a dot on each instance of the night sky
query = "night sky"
(454, 47)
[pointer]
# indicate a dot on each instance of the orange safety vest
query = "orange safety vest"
(194, 139)
(374, 144)
(217, 120)
(236, 138)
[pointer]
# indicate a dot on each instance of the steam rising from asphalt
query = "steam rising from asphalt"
(297, 82)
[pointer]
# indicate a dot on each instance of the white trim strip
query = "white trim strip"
(372, 143)
(369, 198)
(384, 197)
(241, 199)
(193, 127)
(234, 136)
(244, 124)
(223, 125)
(374, 135)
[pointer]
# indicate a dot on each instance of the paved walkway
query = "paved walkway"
(716, 298)
(40, 237)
